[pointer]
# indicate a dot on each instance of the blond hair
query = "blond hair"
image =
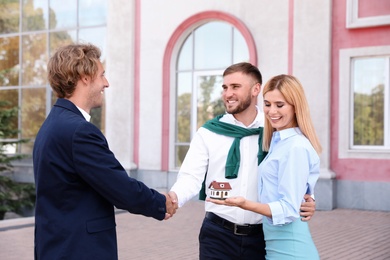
(68, 64)
(293, 92)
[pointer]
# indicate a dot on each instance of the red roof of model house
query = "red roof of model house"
(220, 186)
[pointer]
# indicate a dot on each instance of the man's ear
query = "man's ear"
(256, 89)
(85, 79)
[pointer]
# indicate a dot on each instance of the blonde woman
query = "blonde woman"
(290, 170)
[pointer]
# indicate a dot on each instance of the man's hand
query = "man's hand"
(308, 208)
(171, 205)
(173, 196)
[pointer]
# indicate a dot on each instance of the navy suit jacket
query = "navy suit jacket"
(78, 182)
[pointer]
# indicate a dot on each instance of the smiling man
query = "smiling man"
(78, 179)
(228, 149)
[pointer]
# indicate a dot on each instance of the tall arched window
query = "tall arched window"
(207, 51)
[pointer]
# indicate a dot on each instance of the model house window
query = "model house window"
(29, 32)
(206, 52)
(365, 102)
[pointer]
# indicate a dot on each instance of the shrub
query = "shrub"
(14, 196)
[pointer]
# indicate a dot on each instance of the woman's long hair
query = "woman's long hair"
(293, 92)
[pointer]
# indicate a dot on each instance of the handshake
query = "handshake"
(171, 204)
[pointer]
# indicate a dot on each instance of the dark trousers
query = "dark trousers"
(216, 242)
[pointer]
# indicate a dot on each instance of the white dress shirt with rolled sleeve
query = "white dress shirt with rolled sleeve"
(207, 153)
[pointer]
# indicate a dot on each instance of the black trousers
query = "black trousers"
(216, 242)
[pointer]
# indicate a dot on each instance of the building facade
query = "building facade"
(164, 61)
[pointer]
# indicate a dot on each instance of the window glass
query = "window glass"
(183, 106)
(9, 61)
(34, 59)
(34, 15)
(58, 39)
(53, 97)
(240, 49)
(9, 13)
(180, 153)
(33, 109)
(9, 99)
(33, 113)
(213, 45)
(183, 116)
(185, 56)
(63, 15)
(209, 102)
(369, 75)
(95, 36)
(92, 12)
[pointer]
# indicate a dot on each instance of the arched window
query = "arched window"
(206, 52)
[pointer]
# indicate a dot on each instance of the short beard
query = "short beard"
(242, 107)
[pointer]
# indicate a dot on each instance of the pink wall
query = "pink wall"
(353, 169)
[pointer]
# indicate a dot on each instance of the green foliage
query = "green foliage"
(369, 117)
(8, 130)
(207, 108)
(13, 196)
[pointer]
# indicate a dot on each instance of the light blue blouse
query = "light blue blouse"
(290, 170)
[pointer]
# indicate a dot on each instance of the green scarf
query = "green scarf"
(233, 159)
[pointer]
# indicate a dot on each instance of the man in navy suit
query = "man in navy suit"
(78, 179)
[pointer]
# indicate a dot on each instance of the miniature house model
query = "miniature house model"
(219, 190)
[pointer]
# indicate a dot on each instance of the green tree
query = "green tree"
(204, 100)
(183, 130)
(13, 196)
(368, 123)
(7, 132)
(207, 107)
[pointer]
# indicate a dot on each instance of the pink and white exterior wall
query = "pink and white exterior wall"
(303, 38)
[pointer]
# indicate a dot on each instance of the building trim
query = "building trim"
(137, 60)
(290, 53)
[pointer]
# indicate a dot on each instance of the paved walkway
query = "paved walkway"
(339, 234)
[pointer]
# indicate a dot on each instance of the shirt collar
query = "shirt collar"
(229, 118)
(286, 133)
(85, 114)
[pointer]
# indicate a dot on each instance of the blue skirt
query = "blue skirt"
(289, 241)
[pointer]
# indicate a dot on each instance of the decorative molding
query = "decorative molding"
(345, 105)
(354, 21)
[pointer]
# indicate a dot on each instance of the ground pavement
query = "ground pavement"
(338, 234)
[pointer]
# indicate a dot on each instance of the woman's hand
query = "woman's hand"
(233, 201)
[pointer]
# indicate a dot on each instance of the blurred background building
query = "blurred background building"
(164, 61)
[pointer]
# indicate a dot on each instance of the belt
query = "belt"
(242, 230)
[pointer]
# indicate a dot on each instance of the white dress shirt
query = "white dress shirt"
(85, 114)
(207, 153)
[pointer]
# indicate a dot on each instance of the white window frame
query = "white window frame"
(346, 150)
(195, 87)
(194, 113)
(354, 21)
